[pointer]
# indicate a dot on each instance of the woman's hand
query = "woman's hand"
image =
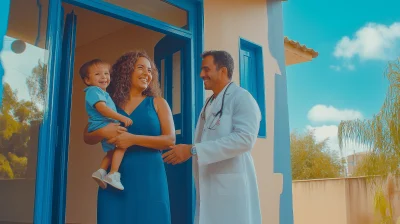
(123, 140)
(112, 130)
(107, 132)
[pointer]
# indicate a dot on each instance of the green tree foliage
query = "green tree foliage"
(37, 83)
(313, 160)
(381, 133)
(383, 201)
(5, 168)
(375, 164)
(19, 124)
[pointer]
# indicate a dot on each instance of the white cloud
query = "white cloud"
(349, 66)
(346, 65)
(335, 67)
(322, 113)
(330, 131)
(373, 41)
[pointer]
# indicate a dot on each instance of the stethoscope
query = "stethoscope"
(219, 113)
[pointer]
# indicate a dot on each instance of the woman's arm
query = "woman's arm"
(161, 142)
(109, 131)
(167, 137)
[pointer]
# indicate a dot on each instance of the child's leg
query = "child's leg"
(99, 175)
(105, 163)
(117, 159)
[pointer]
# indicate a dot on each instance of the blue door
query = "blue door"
(248, 73)
(170, 54)
(63, 123)
(252, 76)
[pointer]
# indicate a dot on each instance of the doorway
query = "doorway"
(88, 35)
(39, 150)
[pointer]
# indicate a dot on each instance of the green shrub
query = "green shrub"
(5, 168)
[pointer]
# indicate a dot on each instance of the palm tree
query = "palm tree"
(381, 134)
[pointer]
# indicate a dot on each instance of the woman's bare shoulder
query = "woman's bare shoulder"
(160, 103)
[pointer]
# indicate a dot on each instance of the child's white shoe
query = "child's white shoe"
(98, 176)
(114, 180)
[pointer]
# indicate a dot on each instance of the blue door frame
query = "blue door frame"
(63, 125)
(50, 192)
(180, 181)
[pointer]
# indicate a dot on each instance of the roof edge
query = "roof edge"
(301, 47)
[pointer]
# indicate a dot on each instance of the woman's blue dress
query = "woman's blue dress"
(145, 198)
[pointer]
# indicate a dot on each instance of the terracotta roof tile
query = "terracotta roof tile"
(303, 47)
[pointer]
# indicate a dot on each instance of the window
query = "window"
(252, 76)
(160, 10)
(24, 97)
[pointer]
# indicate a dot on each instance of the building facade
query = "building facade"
(45, 166)
(353, 161)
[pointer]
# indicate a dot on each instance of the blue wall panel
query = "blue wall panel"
(281, 126)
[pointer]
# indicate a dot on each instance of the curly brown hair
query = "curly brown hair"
(121, 78)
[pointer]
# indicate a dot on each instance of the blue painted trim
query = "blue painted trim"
(4, 12)
(259, 75)
(168, 79)
(281, 125)
(39, 5)
(48, 130)
(64, 116)
(129, 16)
(191, 83)
(199, 48)
(282, 162)
(178, 121)
(179, 177)
(187, 5)
(199, 91)
(187, 108)
(183, 5)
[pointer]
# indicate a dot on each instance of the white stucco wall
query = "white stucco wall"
(222, 28)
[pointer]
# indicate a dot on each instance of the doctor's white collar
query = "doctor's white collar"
(221, 93)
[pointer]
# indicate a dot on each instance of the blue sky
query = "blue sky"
(19, 66)
(354, 40)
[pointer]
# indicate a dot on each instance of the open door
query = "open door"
(64, 115)
(169, 55)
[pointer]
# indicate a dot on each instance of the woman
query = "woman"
(135, 90)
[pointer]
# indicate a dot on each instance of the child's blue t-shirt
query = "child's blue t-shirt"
(94, 95)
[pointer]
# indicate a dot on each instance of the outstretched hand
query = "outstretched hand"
(178, 154)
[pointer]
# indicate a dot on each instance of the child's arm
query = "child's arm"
(104, 110)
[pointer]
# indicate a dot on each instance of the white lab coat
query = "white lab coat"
(225, 177)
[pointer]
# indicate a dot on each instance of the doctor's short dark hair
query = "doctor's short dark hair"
(221, 59)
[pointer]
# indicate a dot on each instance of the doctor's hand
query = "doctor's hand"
(178, 154)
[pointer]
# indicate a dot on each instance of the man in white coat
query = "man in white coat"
(226, 183)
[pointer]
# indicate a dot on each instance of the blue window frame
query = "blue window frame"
(252, 76)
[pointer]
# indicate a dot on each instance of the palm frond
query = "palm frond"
(382, 132)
